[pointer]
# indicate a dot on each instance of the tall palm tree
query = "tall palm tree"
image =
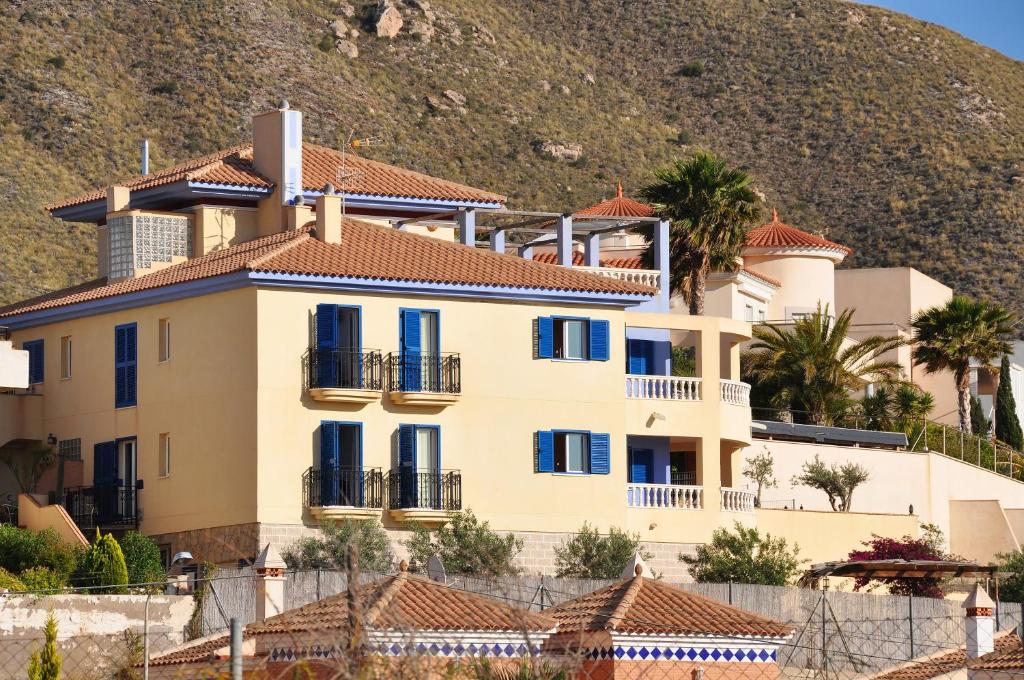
(712, 207)
(947, 337)
(810, 366)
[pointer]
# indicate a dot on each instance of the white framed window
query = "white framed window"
(165, 340)
(165, 454)
(65, 357)
(760, 314)
(748, 313)
(572, 452)
(571, 338)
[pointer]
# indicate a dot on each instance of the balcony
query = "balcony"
(668, 387)
(424, 497)
(343, 493)
(735, 392)
(104, 507)
(737, 500)
(339, 375)
(423, 379)
(642, 277)
(665, 496)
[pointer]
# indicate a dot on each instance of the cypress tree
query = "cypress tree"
(104, 565)
(45, 664)
(1007, 424)
(980, 425)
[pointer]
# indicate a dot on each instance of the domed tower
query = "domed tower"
(803, 263)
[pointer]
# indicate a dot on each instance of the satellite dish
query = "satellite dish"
(435, 570)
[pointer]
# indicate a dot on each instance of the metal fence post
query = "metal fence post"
(910, 609)
(236, 649)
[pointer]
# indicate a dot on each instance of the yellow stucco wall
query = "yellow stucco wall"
(36, 517)
(217, 227)
(807, 278)
(981, 530)
(204, 396)
(824, 536)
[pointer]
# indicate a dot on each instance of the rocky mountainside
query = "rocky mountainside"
(896, 137)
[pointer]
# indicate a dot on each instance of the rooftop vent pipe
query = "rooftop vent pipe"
(145, 157)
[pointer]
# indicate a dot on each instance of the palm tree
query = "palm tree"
(947, 337)
(712, 207)
(812, 366)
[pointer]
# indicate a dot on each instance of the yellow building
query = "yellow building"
(263, 351)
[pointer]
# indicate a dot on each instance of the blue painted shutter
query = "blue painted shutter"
(328, 463)
(637, 359)
(104, 480)
(545, 337)
(598, 340)
(125, 365)
(326, 344)
(544, 456)
(407, 464)
(600, 446)
(35, 360)
(410, 342)
(641, 466)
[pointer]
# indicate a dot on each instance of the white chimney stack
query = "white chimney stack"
(269, 569)
(980, 624)
(277, 150)
(328, 216)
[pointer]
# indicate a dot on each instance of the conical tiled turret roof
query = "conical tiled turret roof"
(620, 206)
(776, 234)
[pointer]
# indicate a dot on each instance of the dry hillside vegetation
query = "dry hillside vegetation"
(897, 137)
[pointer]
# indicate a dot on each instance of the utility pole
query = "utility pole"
(355, 611)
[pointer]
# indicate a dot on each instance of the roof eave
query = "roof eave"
(153, 197)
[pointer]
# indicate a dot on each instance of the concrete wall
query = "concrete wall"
(36, 517)
(218, 227)
(807, 279)
(826, 536)
(980, 529)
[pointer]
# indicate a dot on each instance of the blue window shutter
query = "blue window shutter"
(326, 343)
(598, 340)
(641, 466)
(544, 457)
(410, 344)
(104, 480)
(637, 359)
(328, 463)
(600, 446)
(35, 360)
(407, 464)
(125, 365)
(545, 337)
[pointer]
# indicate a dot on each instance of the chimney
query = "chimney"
(118, 198)
(980, 624)
(328, 216)
(269, 569)
(277, 150)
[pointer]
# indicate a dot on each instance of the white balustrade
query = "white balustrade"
(643, 277)
(735, 392)
(663, 387)
(737, 500)
(665, 496)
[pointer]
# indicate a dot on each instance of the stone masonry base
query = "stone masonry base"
(230, 544)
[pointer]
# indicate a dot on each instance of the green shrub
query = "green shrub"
(142, 558)
(42, 578)
(165, 87)
(326, 43)
(21, 549)
(588, 554)
(103, 566)
(466, 546)
(743, 557)
(694, 69)
(330, 551)
(1012, 588)
(9, 581)
(45, 663)
(56, 62)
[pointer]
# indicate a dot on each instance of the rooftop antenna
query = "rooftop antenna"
(145, 157)
(344, 174)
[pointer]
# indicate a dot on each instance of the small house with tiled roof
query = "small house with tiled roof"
(642, 627)
(405, 618)
(281, 335)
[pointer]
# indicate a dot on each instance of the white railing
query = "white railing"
(735, 392)
(643, 277)
(662, 387)
(737, 500)
(665, 496)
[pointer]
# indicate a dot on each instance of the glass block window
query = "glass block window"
(158, 238)
(122, 262)
(70, 449)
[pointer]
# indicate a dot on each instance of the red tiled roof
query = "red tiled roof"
(1006, 656)
(1007, 646)
(763, 277)
(775, 234)
(620, 206)
(646, 606)
(320, 165)
(367, 251)
(577, 260)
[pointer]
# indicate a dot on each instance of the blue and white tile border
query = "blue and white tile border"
(446, 644)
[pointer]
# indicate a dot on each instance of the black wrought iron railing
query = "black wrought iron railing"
(103, 506)
(683, 478)
(350, 487)
(440, 490)
(9, 514)
(441, 373)
(342, 368)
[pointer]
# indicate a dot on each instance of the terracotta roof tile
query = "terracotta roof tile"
(620, 206)
(775, 234)
(195, 651)
(407, 602)
(368, 251)
(1007, 646)
(763, 277)
(577, 260)
(1006, 656)
(320, 165)
(646, 606)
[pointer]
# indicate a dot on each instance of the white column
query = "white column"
(498, 240)
(565, 240)
(592, 250)
(466, 219)
(661, 260)
(526, 252)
